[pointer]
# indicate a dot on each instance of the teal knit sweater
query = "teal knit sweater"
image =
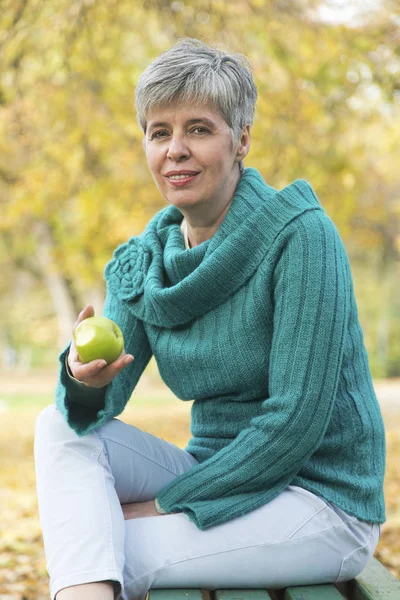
(259, 326)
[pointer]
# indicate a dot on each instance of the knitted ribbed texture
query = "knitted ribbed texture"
(259, 325)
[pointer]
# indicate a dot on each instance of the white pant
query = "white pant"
(296, 539)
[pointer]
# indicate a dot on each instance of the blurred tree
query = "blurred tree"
(73, 180)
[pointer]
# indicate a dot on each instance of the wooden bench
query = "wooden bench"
(374, 583)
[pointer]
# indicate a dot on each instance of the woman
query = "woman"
(244, 296)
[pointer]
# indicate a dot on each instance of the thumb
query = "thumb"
(87, 312)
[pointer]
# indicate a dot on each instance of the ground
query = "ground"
(153, 408)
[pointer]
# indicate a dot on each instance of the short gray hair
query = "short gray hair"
(193, 71)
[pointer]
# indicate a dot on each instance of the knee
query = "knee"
(47, 432)
(51, 426)
(46, 418)
(54, 435)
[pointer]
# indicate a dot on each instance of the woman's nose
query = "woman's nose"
(178, 148)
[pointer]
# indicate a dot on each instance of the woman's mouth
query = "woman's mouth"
(181, 179)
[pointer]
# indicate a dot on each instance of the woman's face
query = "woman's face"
(191, 155)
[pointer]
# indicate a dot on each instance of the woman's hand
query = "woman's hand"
(136, 510)
(95, 373)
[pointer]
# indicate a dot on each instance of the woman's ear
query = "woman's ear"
(243, 144)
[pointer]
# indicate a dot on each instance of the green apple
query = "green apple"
(98, 337)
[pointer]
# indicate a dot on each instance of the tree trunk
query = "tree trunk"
(56, 284)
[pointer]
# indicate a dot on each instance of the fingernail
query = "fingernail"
(102, 363)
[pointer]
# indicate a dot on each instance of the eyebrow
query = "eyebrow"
(188, 122)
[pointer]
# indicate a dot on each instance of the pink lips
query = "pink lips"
(189, 176)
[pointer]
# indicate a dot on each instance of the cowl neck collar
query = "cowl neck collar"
(167, 285)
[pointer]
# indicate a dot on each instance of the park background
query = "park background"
(74, 185)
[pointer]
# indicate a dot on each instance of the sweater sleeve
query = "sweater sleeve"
(86, 408)
(311, 282)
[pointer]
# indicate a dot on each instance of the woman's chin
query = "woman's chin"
(182, 199)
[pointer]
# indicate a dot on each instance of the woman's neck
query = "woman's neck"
(198, 235)
(197, 232)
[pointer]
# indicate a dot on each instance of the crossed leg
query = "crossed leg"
(295, 539)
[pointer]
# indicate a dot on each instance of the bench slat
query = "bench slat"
(375, 583)
(196, 594)
(176, 594)
(247, 594)
(312, 592)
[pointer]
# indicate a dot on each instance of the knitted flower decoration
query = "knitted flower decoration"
(127, 270)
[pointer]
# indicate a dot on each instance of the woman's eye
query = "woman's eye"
(158, 134)
(162, 133)
(201, 130)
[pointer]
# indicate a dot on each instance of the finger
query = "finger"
(87, 312)
(110, 371)
(73, 356)
(118, 364)
(97, 373)
(123, 361)
(72, 359)
(85, 372)
(99, 364)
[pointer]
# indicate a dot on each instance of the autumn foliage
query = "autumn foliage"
(73, 180)
(74, 185)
